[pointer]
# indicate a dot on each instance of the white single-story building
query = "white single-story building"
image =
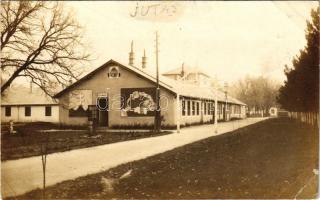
(22, 104)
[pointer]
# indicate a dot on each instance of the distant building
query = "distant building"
(192, 75)
(273, 112)
(22, 104)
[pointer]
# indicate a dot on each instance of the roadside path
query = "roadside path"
(23, 175)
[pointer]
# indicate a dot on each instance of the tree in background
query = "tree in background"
(259, 93)
(300, 92)
(42, 42)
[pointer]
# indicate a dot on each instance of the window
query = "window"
(237, 109)
(183, 107)
(27, 111)
(8, 111)
(80, 112)
(205, 108)
(213, 108)
(188, 108)
(193, 108)
(48, 111)
(198, 108)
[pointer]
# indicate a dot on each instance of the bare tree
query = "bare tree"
(42, 42)
(257, 92)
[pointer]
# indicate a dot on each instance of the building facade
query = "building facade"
(21, 104)
(119, 95)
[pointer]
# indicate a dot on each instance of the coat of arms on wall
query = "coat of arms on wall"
(113, 72)
(138, 101)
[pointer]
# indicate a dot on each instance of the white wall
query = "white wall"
(37, 114)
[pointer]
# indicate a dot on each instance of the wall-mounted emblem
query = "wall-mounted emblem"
(114, 72)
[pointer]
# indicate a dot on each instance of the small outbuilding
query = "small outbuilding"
(23, 104)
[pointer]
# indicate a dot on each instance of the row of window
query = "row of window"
(236, 109)
(27, 111)
(193, 108)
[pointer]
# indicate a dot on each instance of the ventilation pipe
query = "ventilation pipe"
(131, 55)
(144, 60)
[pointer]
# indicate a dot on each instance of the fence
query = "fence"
(306, 117)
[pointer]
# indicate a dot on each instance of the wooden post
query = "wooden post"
(178, 111)
(11, 131)
(215, 112)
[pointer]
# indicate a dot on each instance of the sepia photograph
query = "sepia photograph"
(160, 99)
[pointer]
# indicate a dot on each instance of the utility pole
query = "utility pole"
(157, 119)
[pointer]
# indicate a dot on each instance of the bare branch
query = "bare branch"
(40, 41)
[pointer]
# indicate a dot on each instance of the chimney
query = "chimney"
(131, 55)
(182, 70)
(144, 60)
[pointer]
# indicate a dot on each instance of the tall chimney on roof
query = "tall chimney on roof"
(144, 60)
(131, 55)
(182, 70)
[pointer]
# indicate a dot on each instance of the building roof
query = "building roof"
(21, 95)
(187, 70)
(203, 92)
(176, 87)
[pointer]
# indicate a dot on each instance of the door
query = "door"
(103, 114)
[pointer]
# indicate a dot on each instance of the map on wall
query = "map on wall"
(79, 98)
(138, 102)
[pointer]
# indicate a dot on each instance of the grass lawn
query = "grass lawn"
(27, 141)
(270, 159)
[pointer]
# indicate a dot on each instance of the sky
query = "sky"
(228, 40)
